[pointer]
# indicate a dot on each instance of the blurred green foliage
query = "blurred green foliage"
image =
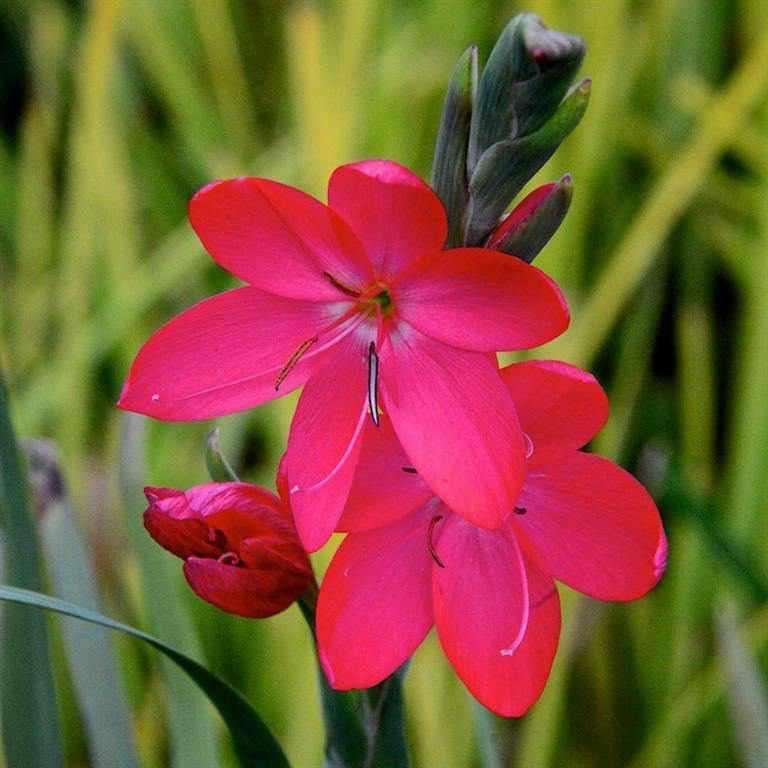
(114, 113)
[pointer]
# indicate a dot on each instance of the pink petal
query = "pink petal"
(457, 422)
(325, 438)
(375, 603)
(278, 239)
(395, 214)
(559, 406)
(386, 486)
(497, 616)
(223, 355)
(484, 300)
(594, 526)
(248, 592)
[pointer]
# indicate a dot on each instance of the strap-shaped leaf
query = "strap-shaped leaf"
(90, 652)
(31, 734)
(449, 169)
(254, 743)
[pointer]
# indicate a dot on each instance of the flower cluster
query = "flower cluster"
(462, 488)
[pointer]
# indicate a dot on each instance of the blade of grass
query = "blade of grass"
(89, 652)
(30, 720)
(698, 697)
(254, 744)
(230, 85)
(746, 693)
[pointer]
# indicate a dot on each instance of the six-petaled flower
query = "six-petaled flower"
(358, 302)
(411, 562)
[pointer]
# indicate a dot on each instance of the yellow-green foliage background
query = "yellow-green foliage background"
(114, 113)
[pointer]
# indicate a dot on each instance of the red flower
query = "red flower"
(337, 296)
(238, 543)
(579, 518)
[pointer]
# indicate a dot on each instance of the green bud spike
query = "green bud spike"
(219, 468)
(505, 167)
(449, 175)
(536, 230)
(527, 75)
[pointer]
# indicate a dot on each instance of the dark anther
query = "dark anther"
(292, 360)
(373, 381)
(343, 288)
(430, 545)
(520, 510)
(410, 470)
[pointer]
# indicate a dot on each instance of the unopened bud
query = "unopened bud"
(530, 226)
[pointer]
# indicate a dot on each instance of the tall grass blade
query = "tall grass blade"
(90, 654)
(254, 744)
(30, 720)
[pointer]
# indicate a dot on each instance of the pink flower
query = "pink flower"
(356, 301)
(579, 518)
(238, 543)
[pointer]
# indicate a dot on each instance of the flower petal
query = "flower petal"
(183, 537)
(485, 595)
(457, 422)
(593, 526)
(395, 214)
(278, 239)
(325, 438)
(222, 355)
(386, 487)
(559, 405)
(256, 593)
(484, 300)
(375, 604)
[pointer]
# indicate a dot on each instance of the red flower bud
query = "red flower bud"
(238, 542)
(520, 214)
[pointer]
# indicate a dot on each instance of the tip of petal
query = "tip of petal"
(660, 558)
(325, 663)
(153, 495)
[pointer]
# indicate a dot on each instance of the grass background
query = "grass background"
(113, 113)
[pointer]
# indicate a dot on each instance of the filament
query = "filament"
(430, 544)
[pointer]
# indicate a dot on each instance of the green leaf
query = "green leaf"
(219, 468)
(505, 168)
(745, 688)
(254, 744)
(527, 75)
(90, 654)
(346, 745)
(384, 722)
(449, 168)
(30, 720)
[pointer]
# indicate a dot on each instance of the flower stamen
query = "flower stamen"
(292, 360)
(373, 381)
(430, 544)
(343, 288)
(229, 558)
